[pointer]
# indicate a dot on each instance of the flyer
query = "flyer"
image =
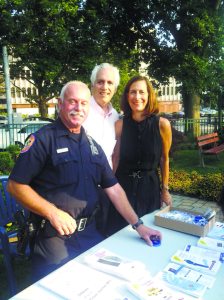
(217, 231)
(210, 243)
(155, 289)
(196, 262)
(205, 252)
(182, 284)
(82, 283)
(114, 264)
(190, 274)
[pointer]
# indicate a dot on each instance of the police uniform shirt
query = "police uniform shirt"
(64, 168)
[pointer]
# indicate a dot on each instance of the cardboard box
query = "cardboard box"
(182, 226)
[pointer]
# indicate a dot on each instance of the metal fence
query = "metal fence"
(16, 134)
(204, 125)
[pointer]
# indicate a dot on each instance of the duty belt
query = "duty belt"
(50, 231)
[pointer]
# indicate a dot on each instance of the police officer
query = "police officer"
(57, 176)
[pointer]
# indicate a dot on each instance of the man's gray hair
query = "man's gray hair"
(105, 66)
(74, 82)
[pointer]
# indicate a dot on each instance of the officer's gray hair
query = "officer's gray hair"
(74, 82)
(105, 66)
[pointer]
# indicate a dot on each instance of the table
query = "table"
(127, 243)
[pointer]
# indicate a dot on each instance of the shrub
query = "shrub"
(14, 151)
(6, 163)
(203, 186)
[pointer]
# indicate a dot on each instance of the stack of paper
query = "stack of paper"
(190, 274)
(217, 231)
(82, 283)
(210, 243)
(184, 285)
(114, 264)
(205, 252)
(154, 288)
(203, 264)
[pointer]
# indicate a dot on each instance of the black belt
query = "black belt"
(50, 231)
(81, 223)
(139, 173)
(85, 221)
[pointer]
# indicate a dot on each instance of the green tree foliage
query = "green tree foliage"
(57, 40)
(176, 38)
(47, 37)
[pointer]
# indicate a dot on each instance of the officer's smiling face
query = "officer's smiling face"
(73, 110)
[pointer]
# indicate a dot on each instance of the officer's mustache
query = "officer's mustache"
(74, 113)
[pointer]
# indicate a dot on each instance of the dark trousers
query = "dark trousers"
(52, 252)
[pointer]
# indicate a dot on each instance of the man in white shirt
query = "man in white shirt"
(99, 124)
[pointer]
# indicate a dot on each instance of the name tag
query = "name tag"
(62, 150)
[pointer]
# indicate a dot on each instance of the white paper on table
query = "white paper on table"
(190, 274)
(79, 282)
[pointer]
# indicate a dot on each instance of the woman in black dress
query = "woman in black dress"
(142, 148)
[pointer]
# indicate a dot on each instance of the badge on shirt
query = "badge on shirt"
(28, 143)
(62, 150)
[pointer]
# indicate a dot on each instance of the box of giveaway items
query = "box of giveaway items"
(192, 222)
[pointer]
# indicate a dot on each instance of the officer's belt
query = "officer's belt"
(85, 221)
(81, 223)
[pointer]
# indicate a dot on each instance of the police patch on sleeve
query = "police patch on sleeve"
(28, 143)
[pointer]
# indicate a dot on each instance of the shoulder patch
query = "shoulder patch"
(28, 143)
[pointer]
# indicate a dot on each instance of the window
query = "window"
(28, 74)
(18, 93)
(13, 92)
(24, 92)
(23, 73)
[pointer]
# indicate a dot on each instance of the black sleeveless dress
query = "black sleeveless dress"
(137, 173)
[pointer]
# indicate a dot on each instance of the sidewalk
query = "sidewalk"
(190, 203)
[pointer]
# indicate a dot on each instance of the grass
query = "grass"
(189, 160)
(182, 159)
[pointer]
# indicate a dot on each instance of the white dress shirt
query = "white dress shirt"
(100, 126)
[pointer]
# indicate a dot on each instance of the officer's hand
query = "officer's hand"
(145, 233)
(63, 222)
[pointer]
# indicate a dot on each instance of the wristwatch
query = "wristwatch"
(135, 226)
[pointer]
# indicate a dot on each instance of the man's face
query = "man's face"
(104, 88)
(73, 110)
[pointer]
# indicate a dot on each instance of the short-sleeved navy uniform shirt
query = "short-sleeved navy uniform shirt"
(64, 168)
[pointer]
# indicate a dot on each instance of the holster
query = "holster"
(27, 232)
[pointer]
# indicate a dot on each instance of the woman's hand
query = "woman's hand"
(165, 197)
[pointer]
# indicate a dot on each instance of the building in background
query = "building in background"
(21, 89)
(169, 97)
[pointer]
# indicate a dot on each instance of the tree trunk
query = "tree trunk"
(43, 108)
(192, 111)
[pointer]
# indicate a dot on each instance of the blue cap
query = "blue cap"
(155, 240)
